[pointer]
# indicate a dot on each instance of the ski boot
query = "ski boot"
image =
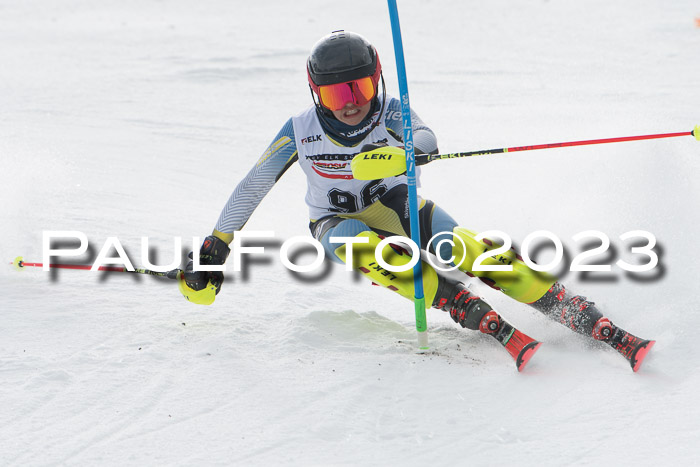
(471, 312)
(583, 317)
(633, 348)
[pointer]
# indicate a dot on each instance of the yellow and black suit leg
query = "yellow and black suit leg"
(386, 217)
(538, 289)
(521, 283)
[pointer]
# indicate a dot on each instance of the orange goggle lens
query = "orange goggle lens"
(358, 91)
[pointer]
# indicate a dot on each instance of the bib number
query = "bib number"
(345, 201)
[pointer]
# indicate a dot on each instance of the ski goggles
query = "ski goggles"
(358, 91)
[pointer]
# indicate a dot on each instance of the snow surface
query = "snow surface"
(137, 118)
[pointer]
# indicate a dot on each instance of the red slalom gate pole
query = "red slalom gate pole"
(426, 158)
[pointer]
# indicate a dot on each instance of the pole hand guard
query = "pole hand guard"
(381, 162)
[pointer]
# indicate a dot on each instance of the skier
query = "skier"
(349, 115)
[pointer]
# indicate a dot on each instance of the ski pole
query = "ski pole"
(19, 263)
(426, 158)
(390, 161)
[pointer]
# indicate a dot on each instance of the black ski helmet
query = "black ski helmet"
(342, 56)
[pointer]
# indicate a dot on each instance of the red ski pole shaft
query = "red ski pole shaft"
(19, 263)
(598, 141)
(425, 158)
(73, 266)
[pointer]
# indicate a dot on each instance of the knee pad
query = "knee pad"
(522, 283)
(343, 228)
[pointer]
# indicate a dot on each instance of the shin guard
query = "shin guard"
(364, 260)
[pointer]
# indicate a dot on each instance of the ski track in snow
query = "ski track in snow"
(113, 116)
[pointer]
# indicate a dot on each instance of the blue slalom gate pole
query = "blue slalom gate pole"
(419, 298)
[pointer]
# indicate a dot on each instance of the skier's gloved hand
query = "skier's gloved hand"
(202, 286)
(380, 144)
(214, 251)
(372, 146)
(380, 172)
